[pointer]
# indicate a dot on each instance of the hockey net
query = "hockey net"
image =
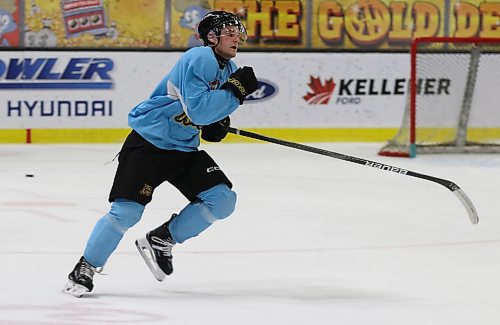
(453, 102)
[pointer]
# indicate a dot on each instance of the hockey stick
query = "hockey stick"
(469, 206)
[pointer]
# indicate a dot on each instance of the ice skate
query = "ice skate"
(80, 279)
(156, 250)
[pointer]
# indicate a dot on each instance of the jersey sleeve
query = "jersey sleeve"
(203, 104)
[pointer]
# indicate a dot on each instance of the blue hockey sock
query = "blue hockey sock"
(109, 230)
(214, 204)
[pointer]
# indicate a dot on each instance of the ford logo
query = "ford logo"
(265, 91)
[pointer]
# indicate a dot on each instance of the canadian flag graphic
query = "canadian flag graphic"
(320, 94)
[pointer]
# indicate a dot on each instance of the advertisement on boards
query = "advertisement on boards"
(80, 89)
(76, 89)
(97, 89)
(326, 90)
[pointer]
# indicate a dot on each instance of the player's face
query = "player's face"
(229, 40)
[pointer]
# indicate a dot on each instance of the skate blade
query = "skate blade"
(75, 289)
(148, 256)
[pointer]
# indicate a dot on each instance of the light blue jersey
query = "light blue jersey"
(187, 97)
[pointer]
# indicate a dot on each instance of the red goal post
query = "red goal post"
(457, 117)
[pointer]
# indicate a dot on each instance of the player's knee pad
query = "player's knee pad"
(124, 214)
(220, 200)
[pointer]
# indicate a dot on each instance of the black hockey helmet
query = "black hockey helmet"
(215, 21)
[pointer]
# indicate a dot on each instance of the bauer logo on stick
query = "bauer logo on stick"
(386, 167)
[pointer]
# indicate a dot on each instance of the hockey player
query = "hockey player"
(197, 96)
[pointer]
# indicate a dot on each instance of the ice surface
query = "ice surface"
(314, 240)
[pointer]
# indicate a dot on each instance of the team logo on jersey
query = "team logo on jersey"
(184, 120)
(214, 85)
(147, 190)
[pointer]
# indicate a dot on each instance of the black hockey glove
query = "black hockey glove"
(217, 131)
(242, 83)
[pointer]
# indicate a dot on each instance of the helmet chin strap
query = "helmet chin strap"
(222, 61)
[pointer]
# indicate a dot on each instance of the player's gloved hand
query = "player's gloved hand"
(242, 83)
(217, 131)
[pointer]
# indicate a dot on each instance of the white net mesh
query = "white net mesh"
(457, 100)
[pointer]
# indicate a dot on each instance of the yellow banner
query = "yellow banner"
(9, 23)
(270, 24)
(475, 18)
(374, 24)
(95, 23)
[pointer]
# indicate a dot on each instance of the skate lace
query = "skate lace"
(163, 245)
(86, 269)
